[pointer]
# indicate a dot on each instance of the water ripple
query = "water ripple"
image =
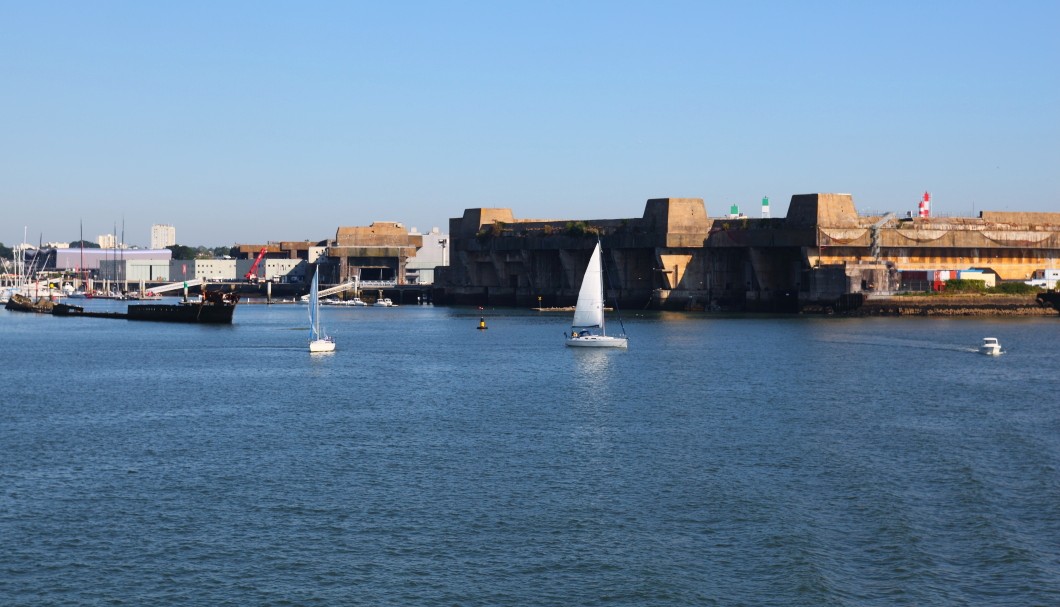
(717, 462)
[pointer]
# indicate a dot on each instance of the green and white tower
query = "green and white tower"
(765, 207)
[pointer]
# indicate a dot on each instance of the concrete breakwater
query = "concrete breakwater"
(953, 305)
(823, 256)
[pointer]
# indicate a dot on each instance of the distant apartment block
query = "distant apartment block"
(163, 235)
(107, 241)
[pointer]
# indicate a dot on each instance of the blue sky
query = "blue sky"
(255, 121)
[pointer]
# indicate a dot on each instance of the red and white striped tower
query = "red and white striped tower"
(925, 206)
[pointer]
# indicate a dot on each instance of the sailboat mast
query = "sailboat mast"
(600, 251)
(22, 259)
(114, 258)
(314, 308)
(124, 274)
(36, 272)
(603, 329)
(82, 264)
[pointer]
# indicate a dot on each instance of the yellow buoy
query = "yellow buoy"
(482, 324)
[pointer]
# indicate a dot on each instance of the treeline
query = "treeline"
(184, 252)
(968, 286)
(179, 251)
(7, 252)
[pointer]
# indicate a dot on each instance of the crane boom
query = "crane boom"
(874, 235)
(252, 273)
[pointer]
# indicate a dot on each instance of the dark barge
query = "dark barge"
(21, 303)
(212, 308)
(1049, 299)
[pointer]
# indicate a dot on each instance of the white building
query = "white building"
(134, 270)
(207, 269)
(419, 270)
(283, 270)
(163, 235)
(277, 270)
(92, 259)
(110, 241)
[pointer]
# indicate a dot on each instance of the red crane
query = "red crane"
(252, 273)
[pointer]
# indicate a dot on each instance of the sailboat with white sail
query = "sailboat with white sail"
(587, 328)
(319, 341)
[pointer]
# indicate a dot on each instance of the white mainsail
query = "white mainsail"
(318, 340)
(589, 311)
(314, 309)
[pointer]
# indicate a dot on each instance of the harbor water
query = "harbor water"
(719, 461)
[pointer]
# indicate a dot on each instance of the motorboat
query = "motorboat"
(990, 347)
(144, 296)
(356, 301)
(383, 303)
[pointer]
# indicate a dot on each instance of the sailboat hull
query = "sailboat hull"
(321, 345)
(597, 341)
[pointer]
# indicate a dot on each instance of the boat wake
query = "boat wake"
(895, 342)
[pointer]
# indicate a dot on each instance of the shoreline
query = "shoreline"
(955, 305)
